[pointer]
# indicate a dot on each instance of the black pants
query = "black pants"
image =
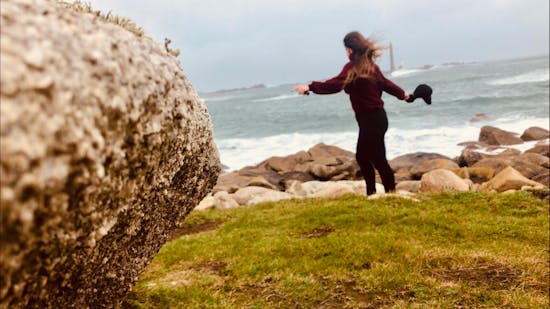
(371, 150)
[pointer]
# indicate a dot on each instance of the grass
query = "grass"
(86, 8)
(448, 250)
(126, 23)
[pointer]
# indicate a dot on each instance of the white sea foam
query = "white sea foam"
(405, 72)
(278, 98)
(239, 152)
(536, 76)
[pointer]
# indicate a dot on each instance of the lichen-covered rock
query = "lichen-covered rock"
(105, 149)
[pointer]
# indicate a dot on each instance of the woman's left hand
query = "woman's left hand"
(301, 89)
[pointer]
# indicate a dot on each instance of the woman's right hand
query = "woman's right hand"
(301, 89)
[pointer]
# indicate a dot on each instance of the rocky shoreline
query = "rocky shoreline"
(490, 164)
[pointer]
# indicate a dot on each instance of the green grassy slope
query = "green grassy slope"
(448, 250)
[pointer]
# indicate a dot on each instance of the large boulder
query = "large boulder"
(469, 157)
(535, 134)
(106, 148)
(409, 186)
(496, 136)
(259, 176)
(290, 177)
(527, 167)
(442, 180)
(343, 170)
(328, 154)
(231, 182)
(288, 163)
(542, 149)
(406, 162)
(543, 178)
(331, 163)
(475, 174)
(496, 164)
(430, 165)
(256, 195)
(535, 158)
(329, 188)
(508, 179)
(473, 154)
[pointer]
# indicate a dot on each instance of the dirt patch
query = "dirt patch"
(350, 292)
(216, 267)
(318, 232)
(492, 275)
(266, 291)
(196, 228)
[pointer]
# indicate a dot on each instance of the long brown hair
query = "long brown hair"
(364, 52)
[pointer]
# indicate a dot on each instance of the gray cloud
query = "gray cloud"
(233, 43)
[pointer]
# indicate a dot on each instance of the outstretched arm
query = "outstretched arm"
(391, 88)
(333, 85)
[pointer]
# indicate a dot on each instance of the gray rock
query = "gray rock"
(105, 149)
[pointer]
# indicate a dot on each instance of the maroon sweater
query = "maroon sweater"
(364, 94)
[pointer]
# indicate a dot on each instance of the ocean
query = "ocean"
(252, 125)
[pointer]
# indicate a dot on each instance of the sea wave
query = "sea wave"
(237, 153)
(278, 98)
(405, 72)
(536, 76)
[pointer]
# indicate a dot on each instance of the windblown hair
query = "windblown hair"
(364, 53)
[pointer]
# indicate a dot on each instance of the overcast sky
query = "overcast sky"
(233, 43)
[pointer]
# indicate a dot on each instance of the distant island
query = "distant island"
(257, 86)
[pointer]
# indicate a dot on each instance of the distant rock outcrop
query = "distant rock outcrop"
(480, 117)
(105, 149)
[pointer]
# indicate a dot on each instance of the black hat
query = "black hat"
(422, 91)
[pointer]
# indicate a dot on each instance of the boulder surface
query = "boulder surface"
(535, 134)
(442, 180)
(105, 149)
(496, 136)
(508, 179)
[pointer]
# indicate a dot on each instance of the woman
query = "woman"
(363, 81)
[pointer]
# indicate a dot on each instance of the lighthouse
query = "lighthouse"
(392, 62)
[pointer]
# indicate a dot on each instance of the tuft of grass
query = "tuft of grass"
(86, 8)
(126, 23)
(448, 250)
